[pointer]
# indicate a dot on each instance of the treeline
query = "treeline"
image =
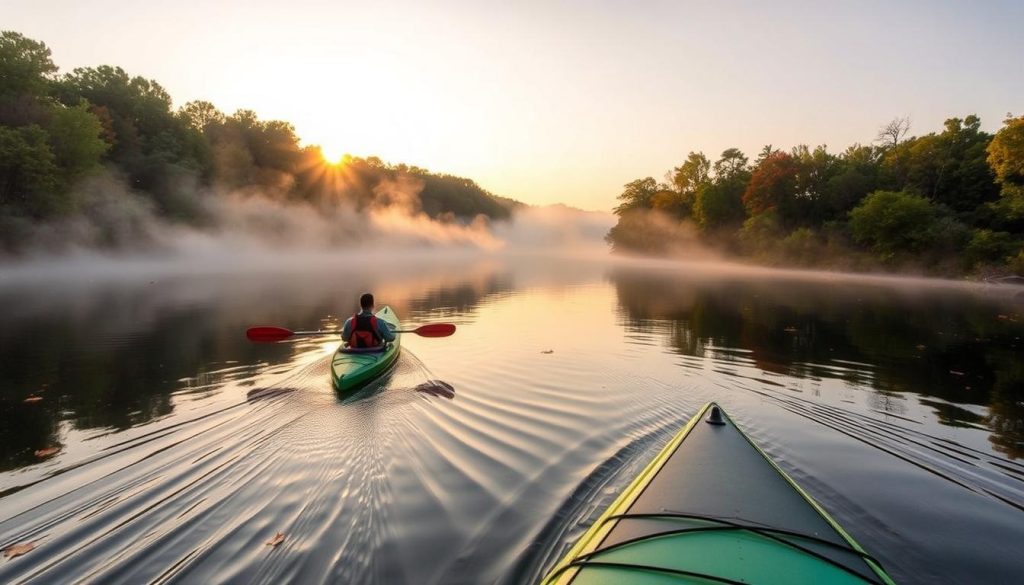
(56, 130)
(950, 202)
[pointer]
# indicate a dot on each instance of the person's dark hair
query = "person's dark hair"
(366, 301)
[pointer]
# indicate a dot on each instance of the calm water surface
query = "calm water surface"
(143, 439)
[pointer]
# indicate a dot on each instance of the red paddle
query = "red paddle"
(272, 334)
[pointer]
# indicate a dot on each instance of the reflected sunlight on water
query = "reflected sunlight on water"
(182, 448)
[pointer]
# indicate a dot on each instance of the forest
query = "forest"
(58, 130)
(945, 203)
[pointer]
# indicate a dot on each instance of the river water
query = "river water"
(144, 439)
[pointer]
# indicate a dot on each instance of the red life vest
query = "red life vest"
(364, 332)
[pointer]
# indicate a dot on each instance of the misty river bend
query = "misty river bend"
(144, 439)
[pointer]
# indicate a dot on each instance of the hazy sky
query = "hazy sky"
(551, 101)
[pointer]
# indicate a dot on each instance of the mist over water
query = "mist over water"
(181, 448)
(240, 224)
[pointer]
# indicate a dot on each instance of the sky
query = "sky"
(555, 101)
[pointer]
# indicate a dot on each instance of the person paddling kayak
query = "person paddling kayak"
(364, 329)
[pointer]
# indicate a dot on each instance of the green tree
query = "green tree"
(988, 246)
(146, 134)
(29, 176)
(732, 164)
(760, 234)
(672, 202)
(687, 179)
(25, 65)
(1006, 159)
(638, 194)
(720, 204)
(640, 230)
(893, 222)
(949, 168)
(75, 135)
(814, 170)
(693, 173)
(201, 115)
(802, 247)
(856, 174)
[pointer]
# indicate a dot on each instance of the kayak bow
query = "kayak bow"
(713, 508)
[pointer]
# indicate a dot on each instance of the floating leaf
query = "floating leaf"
(32, 399)
(16, 550)
(278, 539)
(47, 451)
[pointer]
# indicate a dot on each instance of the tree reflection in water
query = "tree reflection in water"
(958, 347)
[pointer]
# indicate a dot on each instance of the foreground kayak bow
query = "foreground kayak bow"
(713, 508)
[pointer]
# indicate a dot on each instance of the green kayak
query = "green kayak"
(351, 369)
(713, 508)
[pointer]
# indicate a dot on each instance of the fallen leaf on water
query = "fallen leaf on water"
(278, 539)
(32, 399)
(47, 451)
(16, 550)
(548, 351)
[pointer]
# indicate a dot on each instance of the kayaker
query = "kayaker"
(364, 329)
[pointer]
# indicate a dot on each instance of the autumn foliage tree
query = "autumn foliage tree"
(948, 201)
(1005, 154)
(772, 183)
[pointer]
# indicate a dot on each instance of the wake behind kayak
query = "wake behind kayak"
(713, 508)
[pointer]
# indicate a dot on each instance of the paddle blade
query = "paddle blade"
(267, 334)
(435, 330)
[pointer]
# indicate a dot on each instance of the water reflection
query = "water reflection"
(185, 448)
(112, 356)
(957, 347)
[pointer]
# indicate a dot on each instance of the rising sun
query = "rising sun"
(332, 154)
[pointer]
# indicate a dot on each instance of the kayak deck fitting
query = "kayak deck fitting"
(354, 369)
(713, 508)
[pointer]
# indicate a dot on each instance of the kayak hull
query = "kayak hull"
(351, 371)
(713, 508)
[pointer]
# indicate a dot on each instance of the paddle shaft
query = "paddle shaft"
(272, 334)
(338, 331)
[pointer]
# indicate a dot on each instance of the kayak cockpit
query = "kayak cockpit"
(359, 350)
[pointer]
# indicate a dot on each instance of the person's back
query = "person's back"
(364, 330)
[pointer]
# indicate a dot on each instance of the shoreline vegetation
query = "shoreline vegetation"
(101, 147)
(95, 158)
(947, 203)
